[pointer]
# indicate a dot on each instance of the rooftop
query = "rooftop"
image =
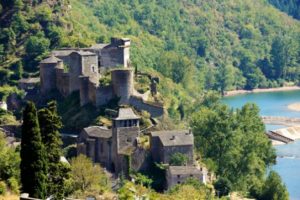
(174, 138)
(98, 131)
(85, 53)
(126, 113)
(51, 59)
(181, 170)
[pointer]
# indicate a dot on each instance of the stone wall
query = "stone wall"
(168, 151)
(90, 68)
(63, 82)
(140, 160)
(84, 90)
(156, 110)
(75, 70)
(103, 95)
(48, 77)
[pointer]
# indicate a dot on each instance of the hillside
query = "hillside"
(199, 45)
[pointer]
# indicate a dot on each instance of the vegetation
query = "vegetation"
(9, 167)
(33, 163)
(233, 144)
(88, 177)
(58, 177)
(178, 159)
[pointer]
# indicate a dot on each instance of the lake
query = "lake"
(275, 104)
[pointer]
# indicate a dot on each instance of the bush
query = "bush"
(2, 188)
(13, 185)
(222, 186)
(178, 159)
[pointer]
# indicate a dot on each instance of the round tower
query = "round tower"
(48, 74)
(122, 82)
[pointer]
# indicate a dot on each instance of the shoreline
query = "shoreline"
(279, 89)
(294, 107)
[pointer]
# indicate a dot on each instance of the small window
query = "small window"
(93, 68)
(129, 139)
(178, 182)
(191, 175)
(178, 176)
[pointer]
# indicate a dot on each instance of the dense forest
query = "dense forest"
(292, 7)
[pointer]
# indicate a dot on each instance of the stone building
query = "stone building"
(165, 143)
(79, 69)
(179, 174)
(110, 147)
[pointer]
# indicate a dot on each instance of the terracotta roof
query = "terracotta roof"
(174, 138)
(98, 131)
(181, 170)
(126, 113)
(51, 59)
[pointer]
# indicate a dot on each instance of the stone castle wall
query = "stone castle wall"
(103, 95)
(156, 110)
(122, 82)
(47, 77)
(63, 82)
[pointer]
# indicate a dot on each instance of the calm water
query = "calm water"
(275, 104)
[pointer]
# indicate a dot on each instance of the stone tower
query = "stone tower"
(124, 133)
(48, 73)
(122, 82)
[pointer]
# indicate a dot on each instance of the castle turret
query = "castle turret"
(48, 73)
(122, 82)
(124, 133)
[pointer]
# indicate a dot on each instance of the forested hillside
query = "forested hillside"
(292, 7)
(221, 45)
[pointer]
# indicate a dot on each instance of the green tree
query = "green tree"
(274, 189)
(58, 172)
(222, 187)
(33, 163)
(178, 159)
(86, 176)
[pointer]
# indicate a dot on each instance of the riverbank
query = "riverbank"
(280, 89)
(294, 107)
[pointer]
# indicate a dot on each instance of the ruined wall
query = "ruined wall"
(63, 82)
(47, 77)
(156, 110)
(155, 149)
(111, 56)
(90, 68)
(122, 82)
(103, 95)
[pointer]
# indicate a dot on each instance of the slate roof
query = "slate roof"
(126, 113)
(98, 131)
(63, 52)
(182, 170)
(85, 53)
(174, 138)
(51, 59)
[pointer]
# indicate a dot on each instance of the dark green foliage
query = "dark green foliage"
(33, 163)
(36, 47)
(222, 187)
(178, 159)
(234, 144)
(292, 7)
(58, 172)
(273, 188)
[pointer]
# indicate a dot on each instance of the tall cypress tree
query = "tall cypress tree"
(33, 164)
(58, 172)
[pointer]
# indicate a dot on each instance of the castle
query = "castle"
(79, 69)
(118, 150)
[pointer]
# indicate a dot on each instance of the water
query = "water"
(275, 104)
